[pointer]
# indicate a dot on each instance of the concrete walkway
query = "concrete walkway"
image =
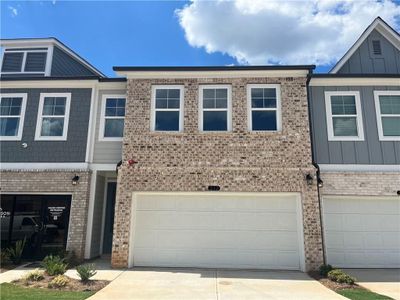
(168, 283)
(15, 274)
(382, 281)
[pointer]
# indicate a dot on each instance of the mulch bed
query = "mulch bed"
(73, 284)
(335, 286)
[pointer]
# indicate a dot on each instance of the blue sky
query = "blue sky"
(152, 33)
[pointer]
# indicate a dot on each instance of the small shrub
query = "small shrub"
(15, 252)
(4, 257)
(54, 265)
(85, 272)
(35, 275)
(340, 277)
(59, 281)
(325, 269)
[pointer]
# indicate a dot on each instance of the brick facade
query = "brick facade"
(237, 161)
(361, 183)
(56, 181)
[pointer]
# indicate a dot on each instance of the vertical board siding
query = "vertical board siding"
(369, 151)
(363, 61)
(71, 150)
(65, 65)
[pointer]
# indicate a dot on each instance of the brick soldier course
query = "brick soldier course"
(56, 181)
(237, 161)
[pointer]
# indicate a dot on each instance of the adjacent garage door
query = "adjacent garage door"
(217, 230)
(362, 232)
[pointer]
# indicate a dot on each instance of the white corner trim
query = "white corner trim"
(277, 87)
(89, 229)
(43, 166)
(181, 110)
(228, 109)
(40, 116)
(300, 226)
(24, 97)
(382, 28)
(382, 137)
(103, 167)
(101, 136)
(354, 81)
(358, 168)
(91, 125)
(329, 117)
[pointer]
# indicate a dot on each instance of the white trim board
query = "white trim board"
(354, 81)
(358, 168)
(44, 166)
(382, 28)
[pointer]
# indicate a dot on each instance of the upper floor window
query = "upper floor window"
(344, 117)
(387, 106)
(12, 113)
(24, 61)
(53, 116)
(167, 108)
(215, 108)
(112, 118)
(264, 107)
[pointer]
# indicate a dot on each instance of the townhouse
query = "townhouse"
(269, 167)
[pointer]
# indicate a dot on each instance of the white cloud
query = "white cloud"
(292, 32)
(13, 10)
(54, 2)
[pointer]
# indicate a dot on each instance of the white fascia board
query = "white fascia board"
(212, 74)
(354, 81)
(48, 83)
(358, 168)
(382, 28)
(44, 166)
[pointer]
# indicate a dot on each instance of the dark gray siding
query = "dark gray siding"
(71, 150)
(363, 61)
(65, 65)
(369, 151)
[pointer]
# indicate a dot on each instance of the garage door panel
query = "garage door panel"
(236, 231)
(368, 237)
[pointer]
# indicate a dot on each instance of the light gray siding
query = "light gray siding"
(364, 61)
(65, 65)
(369, 151)
(97, 216)
(106, 151)
(71, 150)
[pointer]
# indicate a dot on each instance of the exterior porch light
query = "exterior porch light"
(320, 183)
(309, 179)
(75, 180)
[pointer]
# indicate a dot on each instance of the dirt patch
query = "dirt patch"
(335, 286)
(73, 284)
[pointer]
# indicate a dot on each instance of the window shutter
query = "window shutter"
(35, 62)
(12, 62)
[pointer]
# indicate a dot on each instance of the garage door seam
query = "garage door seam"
(216, 284)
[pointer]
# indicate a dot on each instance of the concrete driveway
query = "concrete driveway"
(167, 283)
(382, 281)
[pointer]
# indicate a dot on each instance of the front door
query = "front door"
(42, 220)
(109, 217)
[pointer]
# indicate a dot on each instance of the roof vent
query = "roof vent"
(376, 47)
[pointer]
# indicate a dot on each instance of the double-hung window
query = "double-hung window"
(112, 118)
(167, 108)
(12, 113)
(53, 116)
(264, 113)
(344, 117)
(215, 108)
(387, 106)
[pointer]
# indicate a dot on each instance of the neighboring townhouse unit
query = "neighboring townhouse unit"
(355, 114)
(50, 102)
(217, 170)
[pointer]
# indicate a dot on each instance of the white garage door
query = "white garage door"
(217, 230)
(362, 232)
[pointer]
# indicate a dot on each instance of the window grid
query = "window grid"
(223, 100)
(15, 110)
(112, 112)
(381, 115)
(157, 97)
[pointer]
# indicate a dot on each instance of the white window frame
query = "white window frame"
(24, 97)
(379, 114)
(49, 57)
(329, 117)
(154, 88)
(103, 118)
(228, 108)
(277, 87)
(40, 116)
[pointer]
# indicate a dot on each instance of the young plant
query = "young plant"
(54, 265)
(4, 257)
(35, 275)
(325, 269)
(85, 272)
(15, 252)
(59, 281)
(341, 277)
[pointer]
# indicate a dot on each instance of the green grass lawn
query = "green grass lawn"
(10, 291)
(361, 294)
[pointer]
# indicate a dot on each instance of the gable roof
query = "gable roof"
(29, 42)
(379, 25)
